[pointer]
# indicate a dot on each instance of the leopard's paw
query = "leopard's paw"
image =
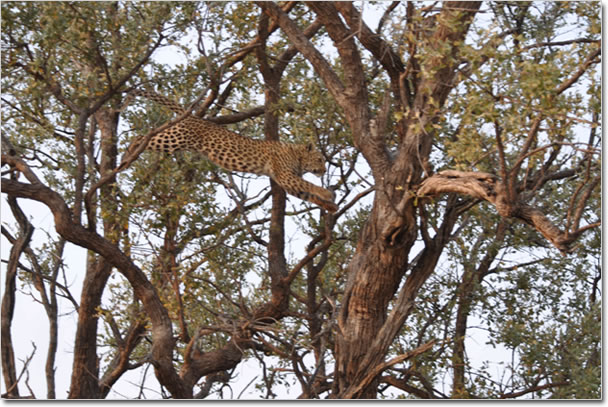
(329, 206)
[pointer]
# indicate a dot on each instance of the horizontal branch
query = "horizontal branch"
(238, 117)
(563, 43)
(489, 188)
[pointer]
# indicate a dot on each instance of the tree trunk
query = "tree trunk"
(374, 275)
(85, 371)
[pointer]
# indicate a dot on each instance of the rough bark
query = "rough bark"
(85, 368)
(382, 252)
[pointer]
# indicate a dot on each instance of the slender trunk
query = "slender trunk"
(52, 313)
(277, 264)
(471, 279)
(9, 370)
(465, 292)
(49, 366)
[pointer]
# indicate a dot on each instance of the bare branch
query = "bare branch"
(562, 43)
(531, 390)
(487, 187)
(11, 390)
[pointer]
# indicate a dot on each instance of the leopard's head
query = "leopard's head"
(312, 160)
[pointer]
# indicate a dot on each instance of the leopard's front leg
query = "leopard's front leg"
(296, 186)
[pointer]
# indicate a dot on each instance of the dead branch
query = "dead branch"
(24, 369)
(489, 188)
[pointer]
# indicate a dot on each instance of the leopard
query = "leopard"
(283, 162)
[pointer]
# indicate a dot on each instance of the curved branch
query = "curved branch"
(488, 188)
(163, 342)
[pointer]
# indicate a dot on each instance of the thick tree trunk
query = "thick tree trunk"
(371, 351)
(85, 370)
(374, 275)
(382, 253)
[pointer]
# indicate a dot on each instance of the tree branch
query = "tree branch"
(361, 384)
(531, 389)
(162, 348)
(487, 187)
(380, 49)
(8, 300)
(299, 40)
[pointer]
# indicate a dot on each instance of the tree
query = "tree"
(462, 142)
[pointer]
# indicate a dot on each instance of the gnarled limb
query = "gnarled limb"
(489, 188)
